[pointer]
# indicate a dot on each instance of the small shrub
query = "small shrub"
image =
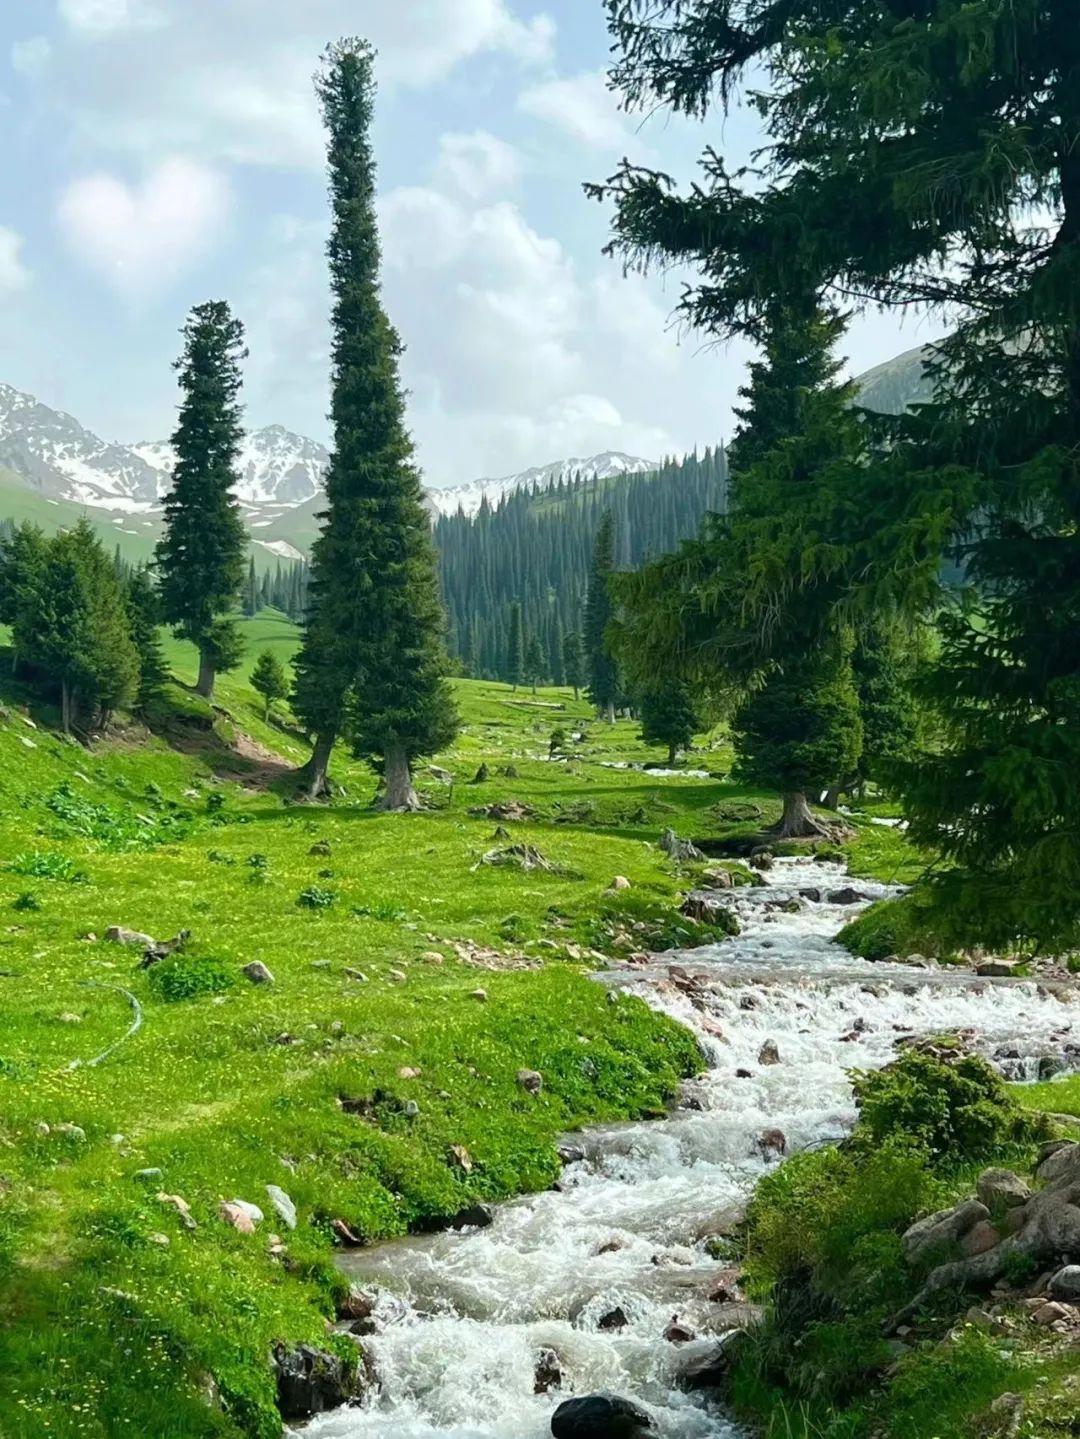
(952, 1104)
(182, 977)
(26, 903)
(39, 864)
(316, 897)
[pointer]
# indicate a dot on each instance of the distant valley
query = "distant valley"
(52, 469)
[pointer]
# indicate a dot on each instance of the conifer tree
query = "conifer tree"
(269, 679)
(534, 661)
(251, 591)
(201, 555)
(907, 147)
(73, 626)
(668, 717)
(556, 650)
(602, 668)
(22, 560)
(515, 647)
(144, 617)
(574, 661)
(372, 663)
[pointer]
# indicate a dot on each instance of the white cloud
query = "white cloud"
(31, 57)
(142, 238)
(13, 273)
(477, 165)
(233, 81)
(581, 106)
(104, 17)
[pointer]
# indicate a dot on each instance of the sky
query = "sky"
(158, 153)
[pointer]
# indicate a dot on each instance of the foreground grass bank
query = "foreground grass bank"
(825, 1253)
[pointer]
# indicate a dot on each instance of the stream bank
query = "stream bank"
(482, 1333)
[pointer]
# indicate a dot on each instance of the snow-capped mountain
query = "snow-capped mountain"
(276, 467)
(469, 498)
(53, 454)
(279, 471)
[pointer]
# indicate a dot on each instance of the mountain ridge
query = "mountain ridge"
(49, 454)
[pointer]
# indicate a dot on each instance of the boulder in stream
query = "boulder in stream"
(601, 1416)
(309, 1381)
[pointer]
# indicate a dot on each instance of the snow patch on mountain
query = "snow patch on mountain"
(274, 467)
(468, 498)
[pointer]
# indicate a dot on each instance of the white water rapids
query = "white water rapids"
(467, 1313)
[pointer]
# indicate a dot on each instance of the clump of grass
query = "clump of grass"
(379, 909)
(26, 903)
(182, 977)
(316, 896)
(48, 864)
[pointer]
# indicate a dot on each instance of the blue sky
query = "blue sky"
(161, 152)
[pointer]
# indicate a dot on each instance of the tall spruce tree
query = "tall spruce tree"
(201, 555)
(924, 155)
(515, 647)
(372, 664)
(602, 668)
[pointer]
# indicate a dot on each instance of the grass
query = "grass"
(348, 1080)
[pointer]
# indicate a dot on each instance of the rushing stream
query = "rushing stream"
(466, 1314)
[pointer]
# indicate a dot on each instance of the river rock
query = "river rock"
(761, 858)
(284, 1208)
(613, 1319)
(1058, 1161)
(530, 1081)
(677, 1333)
(771, 1143)
(117, 934)
(237, 1216)
(769, 1053)
(711, 1368)
(1001, 1188)
(942, 1230)
(309, 1381)
(476, 1216)
(718, 879)
(601, 1416)
(547, 1374)
(258, 973)
(620, 882)
(1065, 1284)
(1053, 1313)
(979, 1238)
(997, 968)
(847, 895)
(570, 1153)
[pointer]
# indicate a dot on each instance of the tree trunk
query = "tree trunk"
(577, 692)
(797, 822)
(314, 773)
(398, 792)
(671, 756)
(204, 685)
(65, 706)
(610, 712)
(832, 797)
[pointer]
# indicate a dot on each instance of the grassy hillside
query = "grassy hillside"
(377, 930)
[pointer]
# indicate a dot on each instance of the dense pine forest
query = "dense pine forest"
(535, 550)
